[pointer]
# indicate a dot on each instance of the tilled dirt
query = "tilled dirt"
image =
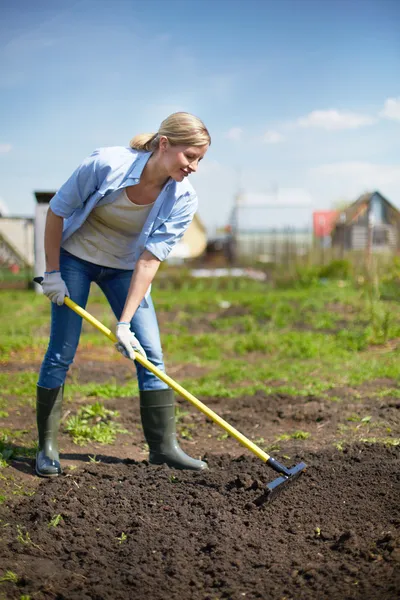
(130, 530)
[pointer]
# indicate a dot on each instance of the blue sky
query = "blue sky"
(302, 97)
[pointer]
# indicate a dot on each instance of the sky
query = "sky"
(301, 97)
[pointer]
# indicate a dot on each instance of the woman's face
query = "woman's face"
(181, 161)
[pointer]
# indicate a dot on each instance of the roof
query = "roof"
(358, 207)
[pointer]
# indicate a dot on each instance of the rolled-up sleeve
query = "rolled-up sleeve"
(78, 188)
(164, 237)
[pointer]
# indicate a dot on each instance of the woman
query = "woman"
(115, 219)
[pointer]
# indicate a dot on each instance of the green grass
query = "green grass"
(245, 337)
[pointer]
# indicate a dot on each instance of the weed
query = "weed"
(9, 576)
(186, 433)
(296, 435)
(180, 414)
(390, 442)
(339, 446)
(55, 520)
(23, 538)
(259, 441)
(94, 423)
(122, 538)
(93, 459)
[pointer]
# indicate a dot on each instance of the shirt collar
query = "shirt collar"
(135, 173)
(137, 168)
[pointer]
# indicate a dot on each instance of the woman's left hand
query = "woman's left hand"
(128, 343)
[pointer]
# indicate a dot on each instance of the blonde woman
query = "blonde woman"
(113, 221)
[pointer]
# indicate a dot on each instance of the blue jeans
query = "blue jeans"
(66, 325)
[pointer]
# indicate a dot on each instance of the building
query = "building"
(371, 221)
(16, 242)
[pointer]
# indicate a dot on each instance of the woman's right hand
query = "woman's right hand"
(54, 287)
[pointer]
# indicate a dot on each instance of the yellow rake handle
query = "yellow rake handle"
(175, 386)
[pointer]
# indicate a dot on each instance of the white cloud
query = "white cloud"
(5, 148)
(272, 137)
(334, 119)
(235, 134)
(391, 109)
(351, 179)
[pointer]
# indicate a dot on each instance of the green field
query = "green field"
(229, 338)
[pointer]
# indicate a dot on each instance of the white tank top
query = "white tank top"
(109, 234)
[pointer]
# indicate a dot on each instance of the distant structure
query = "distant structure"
(371, 221)
(324, 222)
(193, 242)
(270, 227)
(16, 240)
(4, 212)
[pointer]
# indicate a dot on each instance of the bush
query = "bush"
(336, 269)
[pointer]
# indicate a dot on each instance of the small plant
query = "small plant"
(23, 538)
(94, 423)
(55, 520)
(296, 435)
(300, 435)
(6, 450)
(122, 538)
(173, 479)
(185, 433)
(180, 414)
(9, 576)
(93, 459)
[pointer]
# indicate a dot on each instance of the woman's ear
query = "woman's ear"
(163, 143)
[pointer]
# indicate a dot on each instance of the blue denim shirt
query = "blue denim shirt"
(100, 179)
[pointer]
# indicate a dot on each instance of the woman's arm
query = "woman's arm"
(52, 240)
(143, 275)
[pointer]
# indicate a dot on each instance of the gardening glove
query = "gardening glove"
(128, 343)
(54, 287)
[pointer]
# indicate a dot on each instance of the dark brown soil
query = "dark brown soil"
(130, 530)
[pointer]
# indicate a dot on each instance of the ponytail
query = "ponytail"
(145, 142)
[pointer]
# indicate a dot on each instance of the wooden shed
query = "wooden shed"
(193, 242)
(371, 217)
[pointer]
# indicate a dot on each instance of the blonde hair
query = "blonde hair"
(180, 128)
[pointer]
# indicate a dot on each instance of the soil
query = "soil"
(128, 529)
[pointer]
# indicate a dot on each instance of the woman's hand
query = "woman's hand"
(54, 287)
(128, 343)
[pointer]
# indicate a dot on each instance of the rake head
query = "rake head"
(288, 476)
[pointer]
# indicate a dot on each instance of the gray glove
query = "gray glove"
(128, 343)
(54, 287)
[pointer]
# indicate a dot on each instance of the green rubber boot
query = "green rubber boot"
(157, 410)
(48, 415)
